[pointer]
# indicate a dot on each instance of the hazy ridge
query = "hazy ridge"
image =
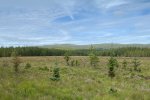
(103, 46)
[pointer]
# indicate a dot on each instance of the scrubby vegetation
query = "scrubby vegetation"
(74, 77)
(74, 83)
(27, 66)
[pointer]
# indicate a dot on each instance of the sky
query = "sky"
(44, 22)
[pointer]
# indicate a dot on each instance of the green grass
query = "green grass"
(76, 83)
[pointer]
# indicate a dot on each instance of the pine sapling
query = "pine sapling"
(72, 62)
(56, 74)
(136, 64)
(112, 64)
(93, 57)
(16, 61)
(67, 58)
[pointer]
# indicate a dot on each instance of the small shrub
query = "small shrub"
(72, 62)
(16, 61)
(136, 64)
(93, 57)
(56, 75)
(94, 60)
(27, 66)
(112, 64)
(67, 58)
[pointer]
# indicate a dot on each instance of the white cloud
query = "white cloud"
(115, 3)
(27, 22)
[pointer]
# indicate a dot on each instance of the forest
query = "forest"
(37, 51)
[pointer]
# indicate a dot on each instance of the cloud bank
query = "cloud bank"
(36, 22)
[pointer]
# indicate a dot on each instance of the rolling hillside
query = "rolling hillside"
(103, 46)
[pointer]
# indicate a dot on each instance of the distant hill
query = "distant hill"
(98, 46)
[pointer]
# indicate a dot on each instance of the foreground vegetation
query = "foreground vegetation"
(33, 80)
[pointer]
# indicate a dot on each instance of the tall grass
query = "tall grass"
(77, 83)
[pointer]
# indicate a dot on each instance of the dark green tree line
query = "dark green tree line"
(36, 51)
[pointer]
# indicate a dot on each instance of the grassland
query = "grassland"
(77, 83)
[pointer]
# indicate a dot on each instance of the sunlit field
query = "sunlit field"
(74, 49)
(81, 82)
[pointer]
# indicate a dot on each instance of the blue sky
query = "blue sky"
(43, 22)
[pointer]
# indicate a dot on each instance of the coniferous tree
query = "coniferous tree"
(56, 74)
(67, 58)
(136, 64)
(93, 57)
(16, 61)
(112, 64)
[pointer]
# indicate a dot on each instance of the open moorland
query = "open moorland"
(77, 82)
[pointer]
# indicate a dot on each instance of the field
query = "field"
(81, 82)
